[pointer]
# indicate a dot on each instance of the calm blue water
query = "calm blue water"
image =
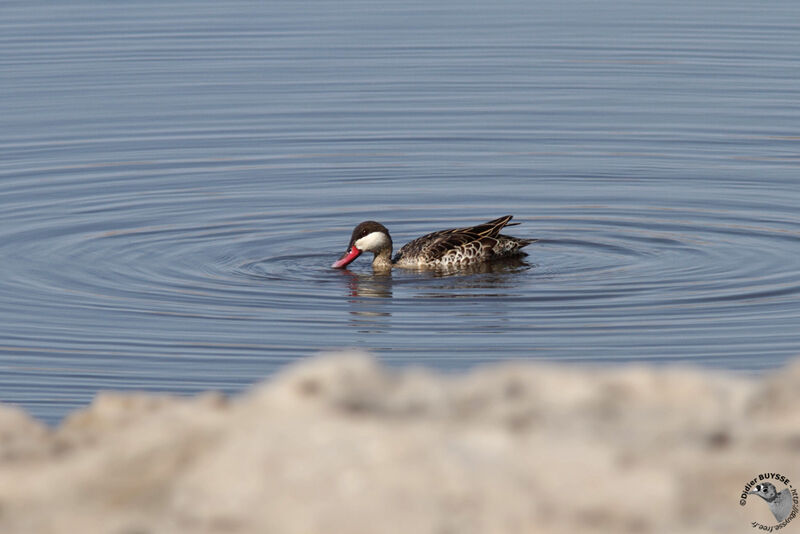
(176, 178)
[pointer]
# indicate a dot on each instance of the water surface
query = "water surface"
(177, 177)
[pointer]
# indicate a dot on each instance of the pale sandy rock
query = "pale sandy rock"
(21, 438)
(341, 444)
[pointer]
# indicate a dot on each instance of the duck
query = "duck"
(445, 249)
(780, 504)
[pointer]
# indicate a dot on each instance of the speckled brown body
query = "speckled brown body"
(461, 246)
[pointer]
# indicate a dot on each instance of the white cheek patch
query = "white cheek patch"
(373, 242)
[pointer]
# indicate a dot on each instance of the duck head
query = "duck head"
(765, 490)
(369, 236)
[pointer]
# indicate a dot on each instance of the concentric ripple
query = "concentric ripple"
(176, 179)
(187, 290)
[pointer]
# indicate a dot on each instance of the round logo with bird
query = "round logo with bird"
(775, 491)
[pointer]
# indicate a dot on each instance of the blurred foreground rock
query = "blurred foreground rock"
(341, 445)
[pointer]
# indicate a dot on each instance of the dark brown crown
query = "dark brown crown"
(366, 228)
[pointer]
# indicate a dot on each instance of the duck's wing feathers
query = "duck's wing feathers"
(473, 242)
(488, 229)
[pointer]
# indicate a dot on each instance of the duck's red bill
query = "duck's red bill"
(348, 257)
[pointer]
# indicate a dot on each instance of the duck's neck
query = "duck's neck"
(383, 259)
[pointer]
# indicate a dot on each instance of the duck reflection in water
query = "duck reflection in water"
(370, 297)
(447, 281)
(371, 293)
(374, 284)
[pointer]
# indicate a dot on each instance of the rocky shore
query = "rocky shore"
(340, 444)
